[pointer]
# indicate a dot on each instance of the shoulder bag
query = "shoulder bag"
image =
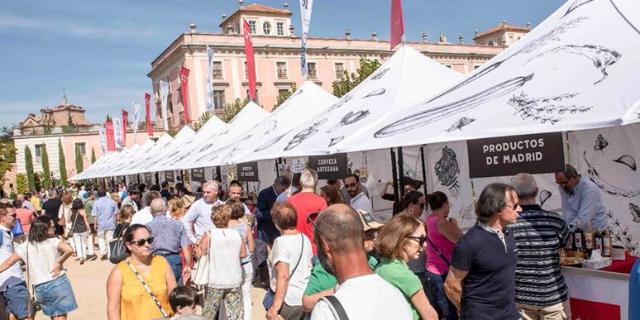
(73, 225)
(336, 307)
(32, 304)
(201, 273)
(438, 251)
(267, 302)
(146, 287)
(117, 250)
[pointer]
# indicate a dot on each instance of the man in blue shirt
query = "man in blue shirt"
(105, 210)
(581, 200)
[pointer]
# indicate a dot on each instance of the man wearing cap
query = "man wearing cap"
(321, 283)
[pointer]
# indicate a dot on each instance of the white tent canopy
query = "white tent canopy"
(247, 118)
(169, 161)
(305, 103)
(183, 136)
(405, 79)
(576, 70)
(124, 157)
(141, 157)
(106, 161)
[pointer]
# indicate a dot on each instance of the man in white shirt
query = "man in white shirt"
(359, 200)
(144, 216)
(132, 199)
(235, 192)
(198, 218)
(13, 288)
(363, 294)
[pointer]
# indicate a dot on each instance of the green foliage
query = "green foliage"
(282, 97)
(79, 160)
(93, 155)
(37, 179)
(7, 151)
(28, 163)
(231, 110)
(62, 165)
(367, 67)
(21, 183)
(46, 172)
(198, 124)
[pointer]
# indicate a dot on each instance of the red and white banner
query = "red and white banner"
(125, 120)
(597, 296)
(184, 83)
(111, 140)
(397, 23)
(147, 105)
(251, 63)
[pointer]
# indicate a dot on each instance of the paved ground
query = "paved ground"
(89, 285)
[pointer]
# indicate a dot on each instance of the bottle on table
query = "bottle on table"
(578, 237)
(598, 242)
(570, 246)
(607, 243)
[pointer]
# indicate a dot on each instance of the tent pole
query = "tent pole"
(125, 180)
(424, 170)
(276, 161)
(400, 173)
(394, 174)
(218, 175)
(157, 178)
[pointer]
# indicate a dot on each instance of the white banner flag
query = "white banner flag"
(305, 14)
(103, 139)
(136, 119)
(210, 104)
(117, 132)
(164, 94)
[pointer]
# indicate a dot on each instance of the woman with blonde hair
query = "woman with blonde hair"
(123, 220)
(400, 240)
(225, 249)
(64, 218)
(176, 209)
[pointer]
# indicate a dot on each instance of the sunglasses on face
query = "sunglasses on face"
(351, 185)
(421, 240)
(141, 242)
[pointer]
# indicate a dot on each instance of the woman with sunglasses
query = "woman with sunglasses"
(44, 254)
(400, 240)
(139, 286)
(443, 234)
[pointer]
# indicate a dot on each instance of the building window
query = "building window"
(246, 71)
(339, 66)
(280, 28)
(281, 68)
(311, 70)
(266, 28)
(283, 92)
(217, 70)
(83, 148)
(257, 101)
(252, 27)
(218, 99)
(39, 148)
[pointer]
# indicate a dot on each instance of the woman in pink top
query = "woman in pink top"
(442, 234)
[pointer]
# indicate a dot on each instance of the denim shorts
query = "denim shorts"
(56, 297)
(16, 298)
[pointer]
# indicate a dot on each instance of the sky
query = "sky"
(100, 52)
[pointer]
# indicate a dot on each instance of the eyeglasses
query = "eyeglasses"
(515, 206)
(351, 185)
(142, 242)
(421, 240)
(310, 220)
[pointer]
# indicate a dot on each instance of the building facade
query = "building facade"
(277, 57)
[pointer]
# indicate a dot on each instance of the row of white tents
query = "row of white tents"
(569, 73)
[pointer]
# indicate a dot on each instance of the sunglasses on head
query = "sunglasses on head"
(421, 240)
(311, 220)
(141, 242)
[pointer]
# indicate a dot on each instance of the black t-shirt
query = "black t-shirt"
(488, 291)
(51, 208)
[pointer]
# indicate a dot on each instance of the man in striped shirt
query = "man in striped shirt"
(539, 236)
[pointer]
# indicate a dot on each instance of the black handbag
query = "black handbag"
(117, 250)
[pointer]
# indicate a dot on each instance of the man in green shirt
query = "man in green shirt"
(322, 283)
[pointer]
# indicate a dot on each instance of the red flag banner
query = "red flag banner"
(251, 63)
(147, 105)
(111, 140)
(593, 310)
(125, 115)
(397, 23)
(184, 82)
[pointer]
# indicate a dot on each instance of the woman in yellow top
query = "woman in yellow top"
(127, 297)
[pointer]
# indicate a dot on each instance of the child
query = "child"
(183, 303)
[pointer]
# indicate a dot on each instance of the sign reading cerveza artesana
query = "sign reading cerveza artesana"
(329, 167)
(248, 171)
(505, 156)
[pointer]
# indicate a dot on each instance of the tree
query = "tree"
(93, 155)
(231, 110)
(62, 165)
(367, 67)
(28, 164)
(282, 97)
(7, 151)
(79, 160)
(21, 183)
(46, 172)
(198, 124)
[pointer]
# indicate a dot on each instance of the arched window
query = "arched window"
(266, 28)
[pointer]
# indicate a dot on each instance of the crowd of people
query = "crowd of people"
(326, 255)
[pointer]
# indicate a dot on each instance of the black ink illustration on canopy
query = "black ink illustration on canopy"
(605, 185)
(335, 141)
(544, 110)
(447, 170)
(462, 122)
(376, 92)
(628, 161)
(601, 143)
(349, 119)
(304, 134)
(575, 5)
(544, 196)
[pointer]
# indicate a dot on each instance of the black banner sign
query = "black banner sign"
(169, 176)
(329, 167)
(247, 171)
(197, 174)
(148, 179)
(506, 156)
